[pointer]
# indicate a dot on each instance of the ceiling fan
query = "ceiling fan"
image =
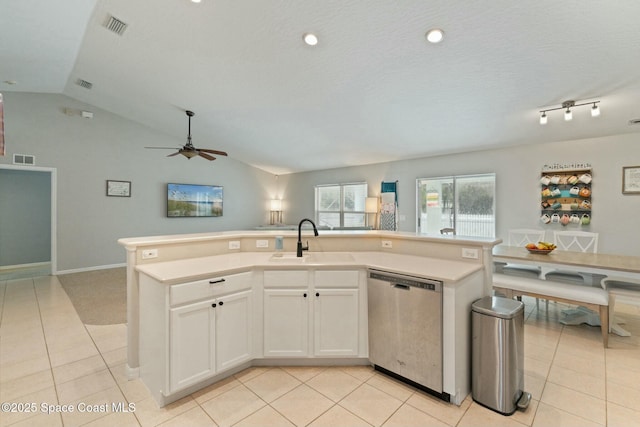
(189, 150)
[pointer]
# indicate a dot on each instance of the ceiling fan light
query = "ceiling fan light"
(189, 154)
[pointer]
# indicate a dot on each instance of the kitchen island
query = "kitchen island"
(170, 277)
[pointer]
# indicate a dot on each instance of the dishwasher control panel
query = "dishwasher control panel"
(407, 281)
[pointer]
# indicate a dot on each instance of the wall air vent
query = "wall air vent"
(115, 25)
(24, 159)
(85, 84)
(634, 122)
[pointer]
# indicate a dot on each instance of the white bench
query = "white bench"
(596, 299)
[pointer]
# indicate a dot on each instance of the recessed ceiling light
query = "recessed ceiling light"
(310, 39)
(196, 1)
(435, 35)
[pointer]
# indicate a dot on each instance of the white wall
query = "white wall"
(616, 217)
(87, 152)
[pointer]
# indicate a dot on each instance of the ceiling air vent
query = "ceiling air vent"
(85, 84)
(115, 25)
(634, 122)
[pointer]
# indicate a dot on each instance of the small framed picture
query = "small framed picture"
(118, 188)
(631, 180)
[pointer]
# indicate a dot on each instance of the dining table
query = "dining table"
(598, 265)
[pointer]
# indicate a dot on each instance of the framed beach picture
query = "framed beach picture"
(631, 180)
(193, 200)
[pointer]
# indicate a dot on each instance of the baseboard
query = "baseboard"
(24, 266)
(85, 269)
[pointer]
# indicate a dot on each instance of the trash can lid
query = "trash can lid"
(504, 308)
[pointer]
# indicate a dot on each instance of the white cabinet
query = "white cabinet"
(192, 331)
(312, 314)
(336, 322)
(286, 323)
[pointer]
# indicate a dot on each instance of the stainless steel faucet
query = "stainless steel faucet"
(300, 247)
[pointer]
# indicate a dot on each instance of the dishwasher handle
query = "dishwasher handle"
(401, 286)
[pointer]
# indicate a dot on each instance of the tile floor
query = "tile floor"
(48, 358)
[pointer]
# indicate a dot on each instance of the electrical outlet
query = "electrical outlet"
(149, 253)
(387, 244)
(234, 244)
(469, 253)
(262, 243)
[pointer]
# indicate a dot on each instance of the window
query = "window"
(341, 205)
(464, 203)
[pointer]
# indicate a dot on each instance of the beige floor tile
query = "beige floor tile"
(575, 402)
(391, 386)
(108, 337)
(363, 373)
(549, 416)
(579, 364)
(250, 373)
(371, 404)
(629, 397)
(264, 417)
(233, 406)
(446, 412)
(73, 354)
(272, 384)
(80, 368)
(534, 385)
(85, 386)
(216, 389)
(337, 416)
(334, 384)
(11, 390)
(408, 416)
(134, 390)
(117, 419)
(619, 416)
(536, 368)
(115, 357)
(304, 373)
(479, 416)
(149, 414)
(39, 420)
(623, 375)
(92, 407)
(195, 417)
(42, 397)
(27, 366)
(302, 405)
(592, 385)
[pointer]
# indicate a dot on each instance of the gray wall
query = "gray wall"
(25, 217)
(87, 152)
(616, 217)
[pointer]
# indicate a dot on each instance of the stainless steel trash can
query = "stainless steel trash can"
(497, 354)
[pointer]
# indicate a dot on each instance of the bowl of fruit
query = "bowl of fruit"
(540, 247)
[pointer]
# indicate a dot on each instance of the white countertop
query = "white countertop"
(177, 271)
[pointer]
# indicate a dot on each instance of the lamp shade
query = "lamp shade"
(371, 205)
(276, 204)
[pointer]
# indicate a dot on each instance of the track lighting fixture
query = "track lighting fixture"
(568, 114)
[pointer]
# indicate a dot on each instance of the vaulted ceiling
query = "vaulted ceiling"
(372, 90)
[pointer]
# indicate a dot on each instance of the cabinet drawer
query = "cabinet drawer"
(336, 279)
(212, 287)
(286, 279)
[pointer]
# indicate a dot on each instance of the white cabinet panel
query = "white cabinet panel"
(192, 344)
(336, 326)
(233, 329)
(286, 320)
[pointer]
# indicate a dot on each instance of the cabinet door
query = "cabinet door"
(286, 320)
(192, 344)
(233, 329)
(336, 322)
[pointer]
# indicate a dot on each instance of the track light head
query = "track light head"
(543, 118)
(595, 110)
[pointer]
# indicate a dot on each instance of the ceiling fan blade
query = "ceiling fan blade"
(163, 148)
(220, 153)
(206, 156)
(174, 154)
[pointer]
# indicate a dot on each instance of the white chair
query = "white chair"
(521, 237)
(576, 241)
(626, 290)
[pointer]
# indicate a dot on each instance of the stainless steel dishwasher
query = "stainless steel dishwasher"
(405, 329)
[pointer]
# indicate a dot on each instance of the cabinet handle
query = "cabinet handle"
(213, 305)
(216, 281)
(221, 302)
(304, 295)
(317, 294)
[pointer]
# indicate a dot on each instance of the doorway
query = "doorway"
(27, 221)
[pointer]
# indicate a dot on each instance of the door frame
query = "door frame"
(53, 213)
